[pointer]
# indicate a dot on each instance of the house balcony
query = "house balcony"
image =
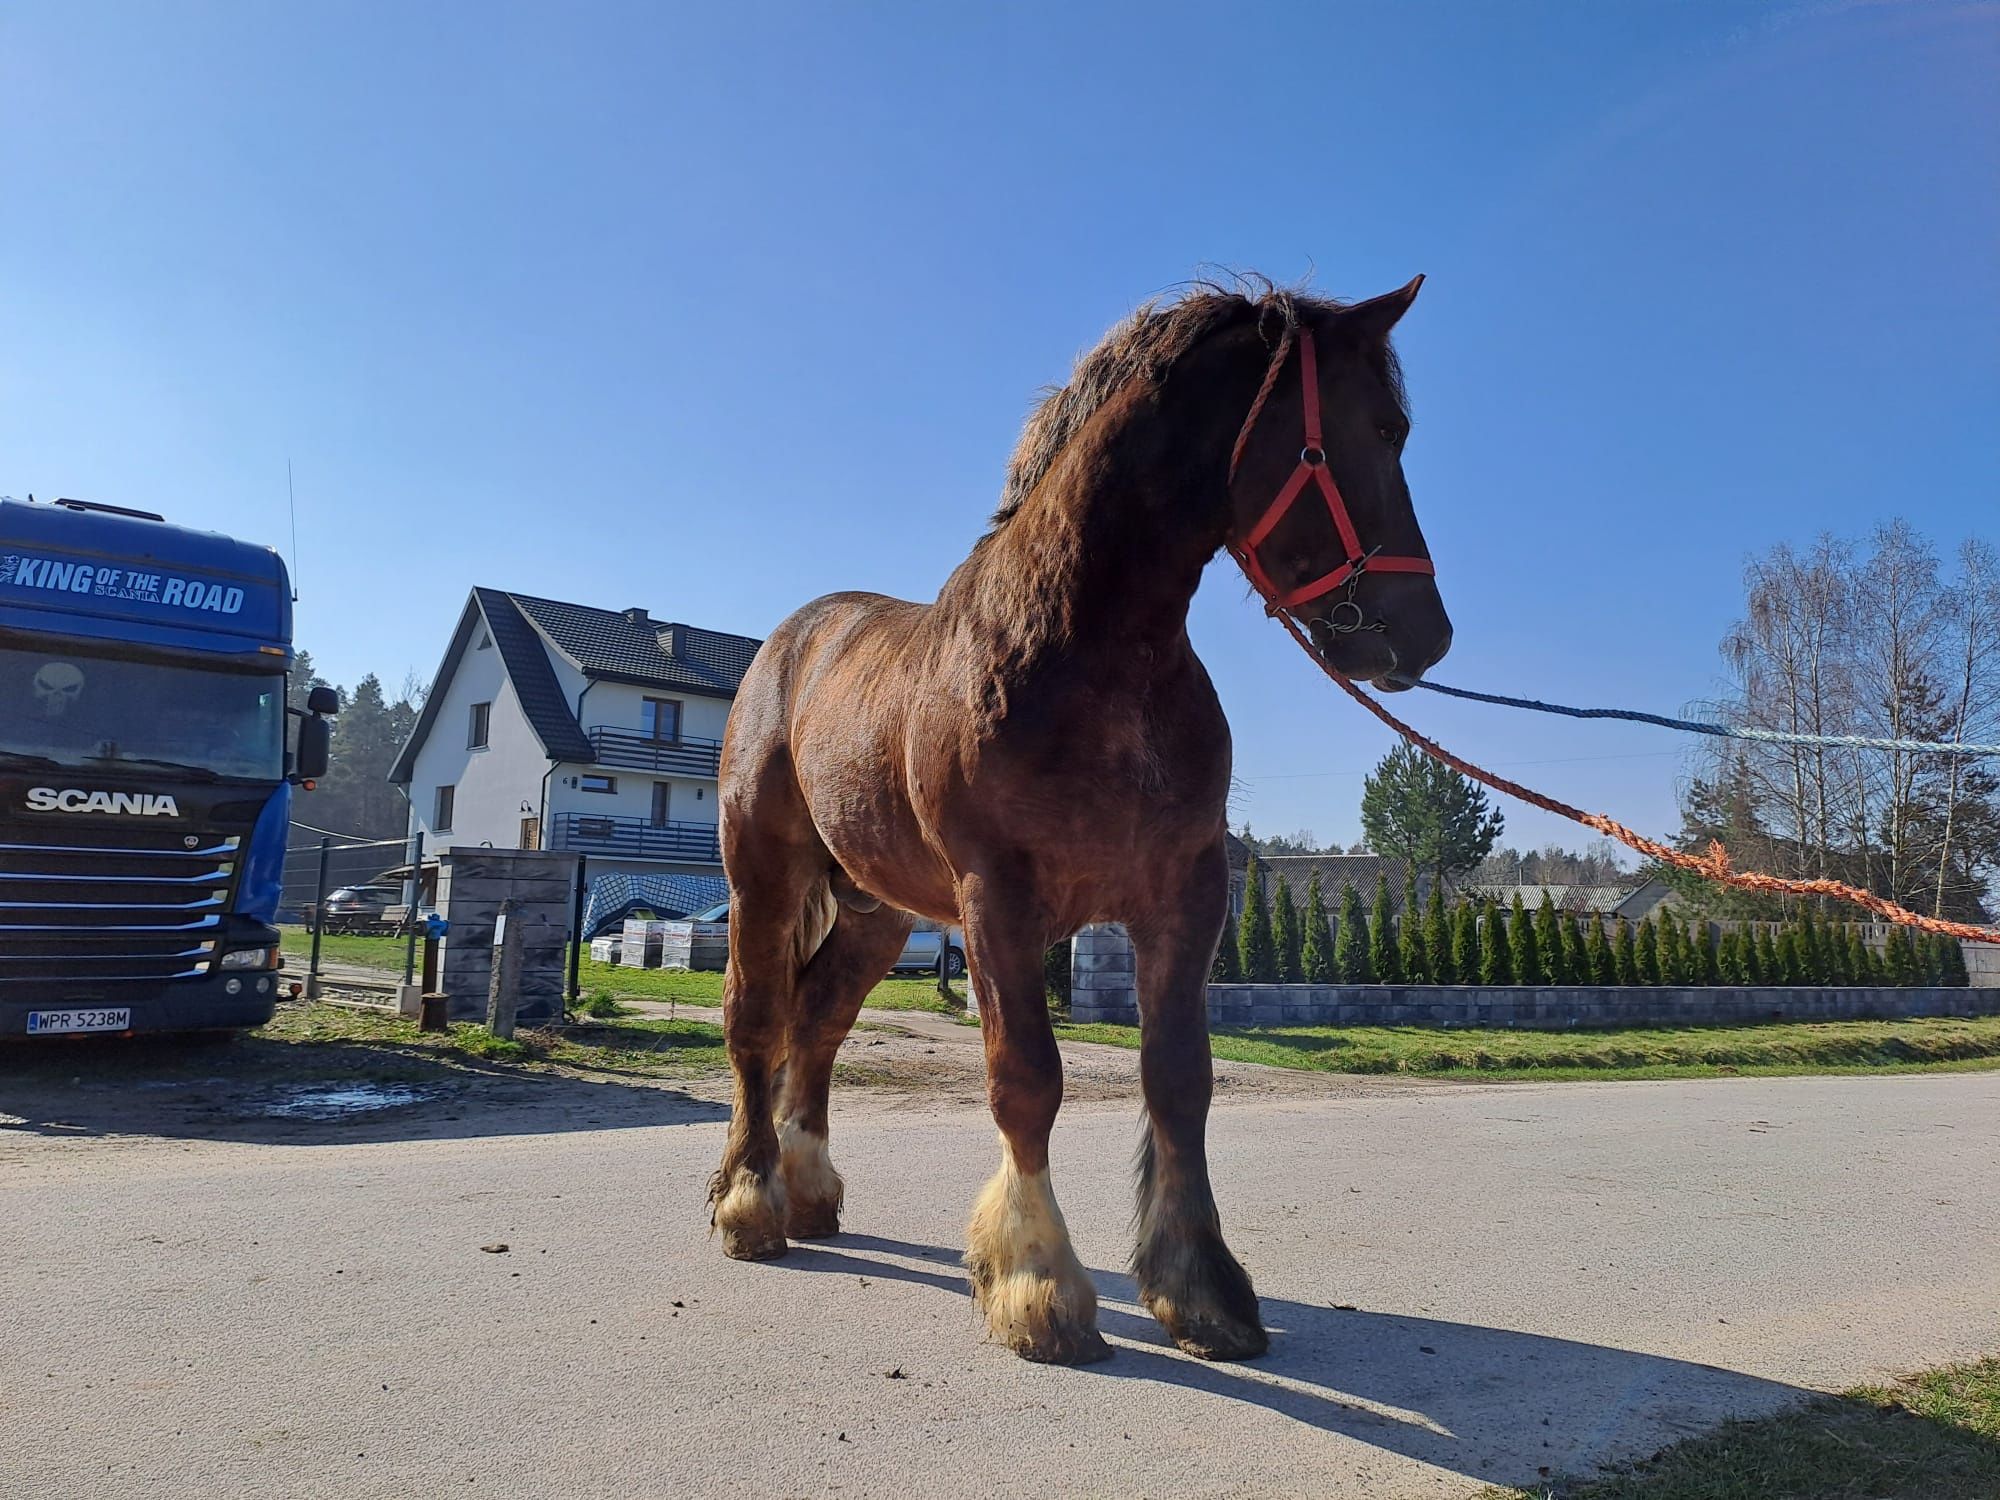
(638, 752)
(635, 838)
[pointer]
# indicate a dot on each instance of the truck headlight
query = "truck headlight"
(251, 958)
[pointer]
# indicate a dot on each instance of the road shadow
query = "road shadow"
(253, 1089)
(1493, 1404)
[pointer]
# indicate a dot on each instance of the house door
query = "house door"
(663, 796)
(531, 833)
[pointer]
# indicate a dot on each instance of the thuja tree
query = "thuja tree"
(1549, 944)
(1624, 955)
(1858, 968)
(1465, 943)
(1260, 951)
(1286, 937)
(1228, 965)
(1728, 960)
(1789, 969)
(1646, 950)
(1438, 943)
(1521, 938)
(1575, 960)
(1710, 961)
(1412, 953)
(1316, 942)
(1496, 954)
(1350, 942)
(1596, 953)
(1769, 971)
(1382, 954)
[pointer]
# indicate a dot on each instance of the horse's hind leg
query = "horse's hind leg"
(1187, 1276)
(1037, 1297)
(838, 977)
(777, 916)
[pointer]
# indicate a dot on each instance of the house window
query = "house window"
(663, 799)
(485, 643)
(482, 721)
(660, 719)
(441, 821)
(606, 784)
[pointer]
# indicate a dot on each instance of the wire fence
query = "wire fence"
(337, 884)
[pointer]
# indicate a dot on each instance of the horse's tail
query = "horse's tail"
(816, 921)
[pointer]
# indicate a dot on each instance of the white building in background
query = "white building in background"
(560, 726)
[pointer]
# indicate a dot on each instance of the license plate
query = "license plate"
(50, 1022)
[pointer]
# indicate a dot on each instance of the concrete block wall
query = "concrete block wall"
(471, 885)
(1103, 988)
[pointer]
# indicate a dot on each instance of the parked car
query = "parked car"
(361, 908)
(920, 952)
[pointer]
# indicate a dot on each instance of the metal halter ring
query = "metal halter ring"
(1312, 458)
(1347, 623)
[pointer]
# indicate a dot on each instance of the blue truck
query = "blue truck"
(147, 760)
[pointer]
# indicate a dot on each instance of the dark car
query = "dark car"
(361, 908)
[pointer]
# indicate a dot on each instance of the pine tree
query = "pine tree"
(1228, 965)
(1549, 943)
(1624, 955)
(1646, 950)
(1260, 951)
(1521, 938)
(1286, 938)
(1596, 952)
(1769, 970)
(1411, 952)
(1573, 951)
(1383, 956)
(1350, 943)
(1316, 944)
(1465, 943)
(1437, 939)
(1496, 955)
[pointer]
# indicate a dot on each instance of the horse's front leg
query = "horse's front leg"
(1036, 1295)
(1187, 1276)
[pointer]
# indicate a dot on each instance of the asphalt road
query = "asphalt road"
(1467, 1284)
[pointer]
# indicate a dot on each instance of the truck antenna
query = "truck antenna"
(292, 503)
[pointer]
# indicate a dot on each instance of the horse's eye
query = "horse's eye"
(1392, 435)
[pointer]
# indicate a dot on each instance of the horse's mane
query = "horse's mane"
(1144, 347)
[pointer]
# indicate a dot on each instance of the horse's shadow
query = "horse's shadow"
(1495, 1404)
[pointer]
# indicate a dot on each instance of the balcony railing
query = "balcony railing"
(639, 752)
(636, 838)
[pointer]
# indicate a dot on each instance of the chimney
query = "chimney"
(637, 615)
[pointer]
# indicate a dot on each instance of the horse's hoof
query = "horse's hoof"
(746, 1245)
(1063, 1346)
(812, 1221)
(1209, 1338)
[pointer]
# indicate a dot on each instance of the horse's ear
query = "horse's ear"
(1374, 318)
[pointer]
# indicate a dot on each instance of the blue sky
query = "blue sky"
(718, 309)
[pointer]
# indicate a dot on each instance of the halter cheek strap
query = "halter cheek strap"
(1312, 469)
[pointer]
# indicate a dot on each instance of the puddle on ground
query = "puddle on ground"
(340, 1101)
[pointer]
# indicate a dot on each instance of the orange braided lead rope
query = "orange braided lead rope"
(1712, 866)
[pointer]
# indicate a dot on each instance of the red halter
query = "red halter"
(1312, 467)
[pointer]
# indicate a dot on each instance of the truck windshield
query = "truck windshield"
(80, 709)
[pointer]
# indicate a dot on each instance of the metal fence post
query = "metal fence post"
(576, 938)
(412, 892)
(319, 919)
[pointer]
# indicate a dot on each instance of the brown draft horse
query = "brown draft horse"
(1039, 749)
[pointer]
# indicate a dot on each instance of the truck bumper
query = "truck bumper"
(189, 1005)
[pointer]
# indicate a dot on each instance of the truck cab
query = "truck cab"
(147, 760)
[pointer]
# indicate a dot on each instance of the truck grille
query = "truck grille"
(110, 905)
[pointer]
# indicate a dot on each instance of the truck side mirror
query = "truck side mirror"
(315, 748)
(322, 700)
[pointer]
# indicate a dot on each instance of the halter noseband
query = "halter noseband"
(1312, 468)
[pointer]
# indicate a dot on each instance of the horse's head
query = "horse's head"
(1320, 516)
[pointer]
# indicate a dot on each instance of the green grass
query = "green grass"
(1935, 1436)
(655, 1049)
(385, 955)
(1657, 1052)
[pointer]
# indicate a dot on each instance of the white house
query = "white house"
(560, 726)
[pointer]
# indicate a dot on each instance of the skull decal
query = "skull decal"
(57, 687)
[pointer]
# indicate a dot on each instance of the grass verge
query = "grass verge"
(654, 1049)
(1934, 1436)
(384, 955)
(1942, 1043)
